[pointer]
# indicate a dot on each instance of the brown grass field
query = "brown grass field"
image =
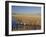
(29, 22)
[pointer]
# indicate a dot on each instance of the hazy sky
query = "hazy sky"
(26, 10)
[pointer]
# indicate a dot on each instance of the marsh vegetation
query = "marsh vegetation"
(26, 22)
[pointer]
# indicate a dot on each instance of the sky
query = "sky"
(26, 10)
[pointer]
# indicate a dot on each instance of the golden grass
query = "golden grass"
(29, 20)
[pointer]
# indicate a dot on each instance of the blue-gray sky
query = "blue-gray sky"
(26, 10)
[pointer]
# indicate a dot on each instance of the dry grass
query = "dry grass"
(30, 20)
